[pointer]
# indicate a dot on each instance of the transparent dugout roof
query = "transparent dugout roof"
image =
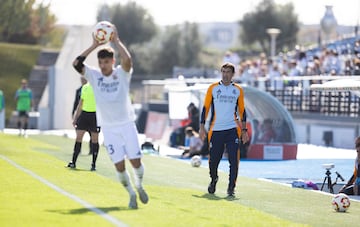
(266, 112)
(268, 119)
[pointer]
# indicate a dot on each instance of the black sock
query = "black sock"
(95, 152)
(77, 149)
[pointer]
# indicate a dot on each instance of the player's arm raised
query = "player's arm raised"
(78, 63)
(124, 54)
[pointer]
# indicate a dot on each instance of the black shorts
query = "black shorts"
(23, 113)
(87, 122)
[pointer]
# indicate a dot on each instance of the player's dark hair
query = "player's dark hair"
(106, 53)
(228, 65)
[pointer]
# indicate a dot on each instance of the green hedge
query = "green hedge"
(16, 63)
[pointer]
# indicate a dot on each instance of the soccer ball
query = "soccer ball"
(340, 202)
(195, 161)
(103, 31)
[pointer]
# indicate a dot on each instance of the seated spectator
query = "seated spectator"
(267, 133)
(195, 143)
(256, 129)
(177, 137)
(194, 117)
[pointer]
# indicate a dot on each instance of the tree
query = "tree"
(180, 46)
(190, 45)
(135, 27)
(14, 17)
(270, 15)
(133, 22)
(169, 52)
(23, 22)
(144, 57)
(42, 22)
(155, 51)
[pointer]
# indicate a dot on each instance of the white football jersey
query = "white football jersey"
(113, 104)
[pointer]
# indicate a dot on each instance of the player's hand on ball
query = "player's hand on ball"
(115, 36)
(103, 31)
(96, 43)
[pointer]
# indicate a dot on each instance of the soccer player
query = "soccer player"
(114, 111)
(225, 100)
(24, 103)
(85, 120)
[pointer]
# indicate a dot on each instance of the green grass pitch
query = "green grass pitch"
(38, 190)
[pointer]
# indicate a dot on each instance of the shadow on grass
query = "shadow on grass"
(215, 197)
(90, 209)
(77, 169)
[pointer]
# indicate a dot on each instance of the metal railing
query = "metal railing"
(301, 98)
(295, 98)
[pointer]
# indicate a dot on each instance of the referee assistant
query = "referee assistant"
(85, 120)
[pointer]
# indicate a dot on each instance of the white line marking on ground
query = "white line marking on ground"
(71, 196)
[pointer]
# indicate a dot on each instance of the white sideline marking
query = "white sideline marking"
(71, 196)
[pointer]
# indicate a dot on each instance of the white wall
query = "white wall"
(67, 80)
(312, 133)
(301, 134)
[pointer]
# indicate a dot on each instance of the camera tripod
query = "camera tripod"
(330, 185)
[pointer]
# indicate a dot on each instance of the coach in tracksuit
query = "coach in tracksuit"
(225, 101)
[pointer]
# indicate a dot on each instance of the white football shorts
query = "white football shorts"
(122, 142)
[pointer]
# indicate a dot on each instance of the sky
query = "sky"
(169, 12)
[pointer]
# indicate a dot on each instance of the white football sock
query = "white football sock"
(125, 181)
(138, 176)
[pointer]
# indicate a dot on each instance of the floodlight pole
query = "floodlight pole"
(273, 32)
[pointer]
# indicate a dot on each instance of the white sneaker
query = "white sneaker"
(143, 196)
(133, 202)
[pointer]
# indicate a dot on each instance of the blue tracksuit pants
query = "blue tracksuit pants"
(220, 141)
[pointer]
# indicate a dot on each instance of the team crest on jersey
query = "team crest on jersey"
(114, 77)
(234, 91)
(237, 140)
(218, 93)
(100, 80)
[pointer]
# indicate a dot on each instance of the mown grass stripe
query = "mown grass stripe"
(87, 205)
